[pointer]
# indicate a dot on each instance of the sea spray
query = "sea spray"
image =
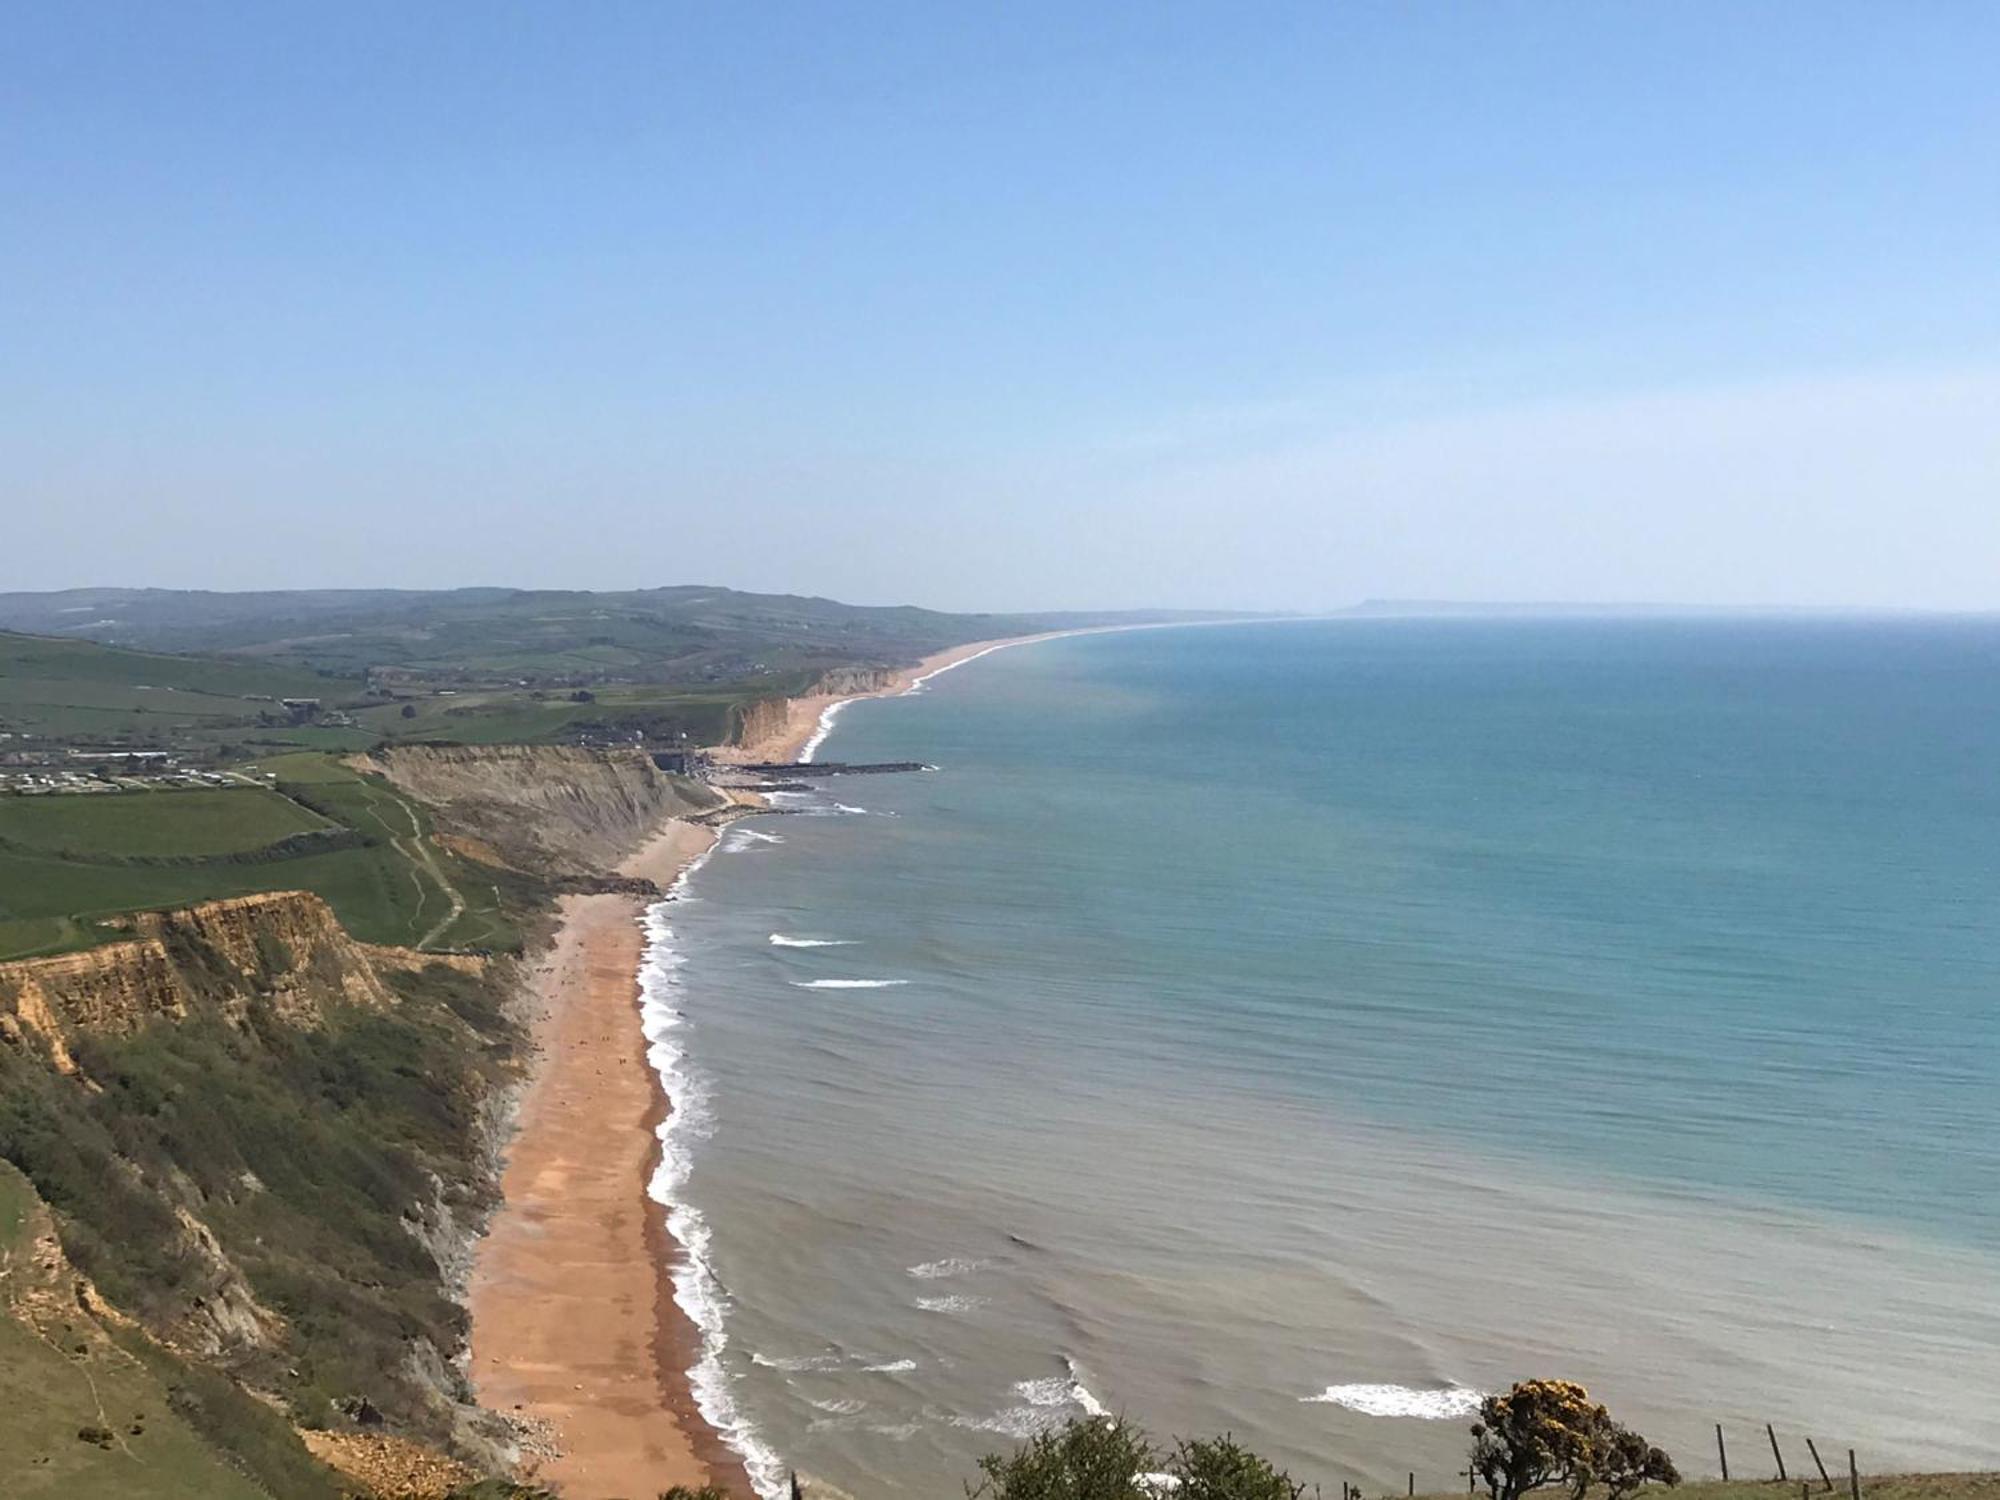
(690, 1118)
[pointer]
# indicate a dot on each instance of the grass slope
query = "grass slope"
(206, 821)
(90, 1410)
(64, 870)
(1978, 1486)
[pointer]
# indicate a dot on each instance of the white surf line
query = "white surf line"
(697, 1289)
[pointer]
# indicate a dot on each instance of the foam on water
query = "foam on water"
(697, 1290)
(794, 1363)
(838, 1406)
(1080, 1393)
(825, 728)
(779, 940)
(1431, 1404)
(956, 1265)
(956, 1303)
(846, 984)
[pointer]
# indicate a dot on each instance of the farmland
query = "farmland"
(70, 865)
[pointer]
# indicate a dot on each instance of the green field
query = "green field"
(191, 821)
(61, 884)
(70, 690)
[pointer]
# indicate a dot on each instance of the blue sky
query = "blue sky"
(1026, 305)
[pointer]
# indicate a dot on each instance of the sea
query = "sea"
(1297, 1029)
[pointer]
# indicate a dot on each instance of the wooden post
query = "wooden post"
(1721, 1452)
(1853, 1477)
(1413, 1481)
(1813, 1449)
(1773, 1436)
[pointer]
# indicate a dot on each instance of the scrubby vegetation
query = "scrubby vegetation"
(1097, 1459)
(1540, 1434)
(309, 1154)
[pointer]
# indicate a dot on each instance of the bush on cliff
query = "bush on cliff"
(1095, 1458)
(1086, 1459)
(1549, 1433)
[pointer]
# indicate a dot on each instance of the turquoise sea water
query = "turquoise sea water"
(1369, 1011)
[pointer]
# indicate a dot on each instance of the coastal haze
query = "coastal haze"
(743, 740)
(1295, 1029)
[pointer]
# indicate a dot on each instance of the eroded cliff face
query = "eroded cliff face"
(761, 720)
(545, 809)
(283, 951)
(765, 719)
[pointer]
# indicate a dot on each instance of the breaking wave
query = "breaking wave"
(1433, 1404)
(779, 940)
(847, 984)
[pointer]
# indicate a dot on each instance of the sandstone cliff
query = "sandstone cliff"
(281, 950)
(760, 720)
(765, 719)
(549, 810)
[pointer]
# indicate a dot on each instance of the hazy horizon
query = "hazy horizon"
(1280, 308)
(1370, 605)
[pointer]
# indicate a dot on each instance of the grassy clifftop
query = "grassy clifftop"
(70, 864)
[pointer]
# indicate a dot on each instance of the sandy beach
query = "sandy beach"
(574, 1329)
(575, 1333)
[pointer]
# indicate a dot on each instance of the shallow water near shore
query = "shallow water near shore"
(1294, 1029)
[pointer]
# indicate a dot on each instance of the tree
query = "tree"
(1628, 1461)
(409, 710)
(1537, 1434)
(1089, 1458)
(1549, 1432)
(1223, 1469)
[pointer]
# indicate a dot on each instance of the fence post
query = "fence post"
(1773, 1436)
(1413, 1481)
(1853, 1477)
(1813, 1449)
(1721, 1452)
